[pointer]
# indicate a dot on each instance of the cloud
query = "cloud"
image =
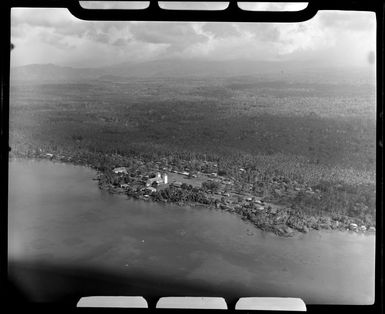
(263, 32)
(221, 30)
(55, 36)
(353, 21)
(177, 34)
(120, 42)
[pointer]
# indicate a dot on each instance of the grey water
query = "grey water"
(58, 216)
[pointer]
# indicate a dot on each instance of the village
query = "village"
(208, 188)
(269, 203)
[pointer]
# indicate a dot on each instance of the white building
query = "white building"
(159, 179)
(120, 170)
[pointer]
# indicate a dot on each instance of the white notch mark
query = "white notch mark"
(272, 6)
(193, 5)
(271, 304)
(112, 301)
(119, 5)
(212, 303)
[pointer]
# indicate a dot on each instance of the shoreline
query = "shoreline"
(266, 216)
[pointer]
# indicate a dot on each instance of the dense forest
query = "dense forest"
(281, 133)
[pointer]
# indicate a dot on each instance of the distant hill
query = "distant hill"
(187, 68)
(158, 68)
(52, 73)
(194, 67)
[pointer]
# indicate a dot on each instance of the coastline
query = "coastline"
(264, 215)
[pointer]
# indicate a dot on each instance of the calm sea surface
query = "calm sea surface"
(60, 219)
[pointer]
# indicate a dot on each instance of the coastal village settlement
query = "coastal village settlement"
(270, 202)
(220, 192)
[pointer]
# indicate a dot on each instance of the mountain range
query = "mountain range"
(163, 68)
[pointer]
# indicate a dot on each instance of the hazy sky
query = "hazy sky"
(55, 36)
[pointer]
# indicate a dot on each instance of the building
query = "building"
(177, 184)
(165, 178)
(151, 181)
(158, 180)
(121, 170)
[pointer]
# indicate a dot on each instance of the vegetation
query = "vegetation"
(310, 147)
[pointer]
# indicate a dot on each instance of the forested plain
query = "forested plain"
(318, 133)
